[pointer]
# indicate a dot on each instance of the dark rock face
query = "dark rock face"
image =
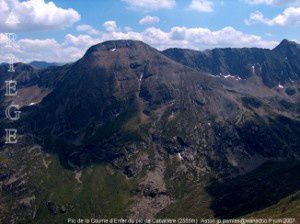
(24, 74)
(251, 102)
(52, 207)
(279, 65)
(291, 91)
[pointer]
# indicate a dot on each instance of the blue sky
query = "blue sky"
(63, 29)
(225, 13)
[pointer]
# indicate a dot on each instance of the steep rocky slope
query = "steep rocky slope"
(160, 129)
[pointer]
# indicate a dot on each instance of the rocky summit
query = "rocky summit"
(129, 131)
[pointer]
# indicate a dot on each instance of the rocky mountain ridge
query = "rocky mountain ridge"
(277, 66)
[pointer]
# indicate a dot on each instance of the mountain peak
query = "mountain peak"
(285, 44)
(113, 45)
(122, 53)
(285, 41)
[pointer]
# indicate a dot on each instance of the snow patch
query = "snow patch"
(114, 49)
(32, 103)
(253, 68)
(179, 156)
(228, 76)
(280, 86)
(141, 77)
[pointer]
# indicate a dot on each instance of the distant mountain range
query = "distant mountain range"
(40, 64)
(154, 134)
(280, 65)
(44, 64)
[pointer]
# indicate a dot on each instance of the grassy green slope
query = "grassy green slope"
(102, 193)
(288, 207)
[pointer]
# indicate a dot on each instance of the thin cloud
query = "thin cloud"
(87, 29)
(150, 5)
(201, 6)
(110, 26)
(149, 20)
(275, 2)
(290, 16)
